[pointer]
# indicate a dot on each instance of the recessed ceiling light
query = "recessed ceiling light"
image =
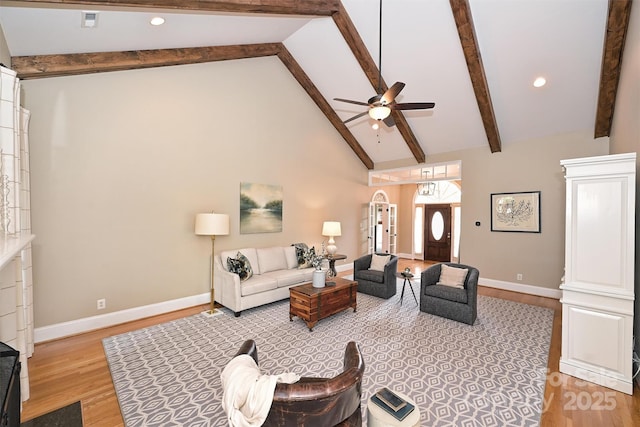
(539, 82)
(157, 20)
(375, 126)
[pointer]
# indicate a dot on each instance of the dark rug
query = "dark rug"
(68, 416)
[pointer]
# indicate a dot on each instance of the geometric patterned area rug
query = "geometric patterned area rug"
(489, 374)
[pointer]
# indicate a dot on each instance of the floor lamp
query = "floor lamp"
(212, 224)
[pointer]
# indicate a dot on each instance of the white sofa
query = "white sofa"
(275, 270)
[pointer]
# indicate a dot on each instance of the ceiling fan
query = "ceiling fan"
(381, 104)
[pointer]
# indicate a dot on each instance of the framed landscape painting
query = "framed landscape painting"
(260, 208)
(518, 212)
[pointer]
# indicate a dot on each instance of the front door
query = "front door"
(437, 239)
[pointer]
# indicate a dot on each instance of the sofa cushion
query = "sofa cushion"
(250, 253)
(258, 284)
(379, 261)
(452, 276)
(271, 259)
(286, 278)
(447, 292)
(307, 274)
(370, 275)
(290, 255)
(241, 266)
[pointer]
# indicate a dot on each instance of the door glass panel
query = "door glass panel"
(417, 230)
(437, 225)
(456, 232)
(379, 226)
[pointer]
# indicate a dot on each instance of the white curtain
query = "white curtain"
(15, 222)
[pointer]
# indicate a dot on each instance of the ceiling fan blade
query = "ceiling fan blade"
(413, 106)
(391, 94)
(351, 102)
(357, 116)
(389, 121)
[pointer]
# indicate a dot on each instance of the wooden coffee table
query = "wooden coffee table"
(312, 304)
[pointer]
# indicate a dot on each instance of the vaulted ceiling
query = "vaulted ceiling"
(476, 59)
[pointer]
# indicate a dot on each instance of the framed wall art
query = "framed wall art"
(519, 212)
(260, 208)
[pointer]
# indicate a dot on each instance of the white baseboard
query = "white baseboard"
(511, 286)
(405, 256)
(344, 267)
(601, 376)
(64, 329)
(522, 288)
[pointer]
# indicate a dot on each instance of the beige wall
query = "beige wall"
(121, 163)
(527, 166)
(5, 57)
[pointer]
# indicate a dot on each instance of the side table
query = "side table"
(378, 417)
(332, 263)
(407, 279)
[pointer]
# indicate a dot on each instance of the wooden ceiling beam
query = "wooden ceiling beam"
(284, 7)
(617, 24)
(466, 31)
(368, 65)
(39, 66)
(30, 67)
(311, 89)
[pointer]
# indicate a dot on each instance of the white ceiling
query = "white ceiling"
(561, 40)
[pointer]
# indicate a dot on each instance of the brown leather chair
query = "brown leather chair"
(318, 401)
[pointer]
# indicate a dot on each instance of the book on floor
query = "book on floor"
(392, 400)
(392, 403)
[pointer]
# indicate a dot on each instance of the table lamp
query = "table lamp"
(212, 224)
(331, 229)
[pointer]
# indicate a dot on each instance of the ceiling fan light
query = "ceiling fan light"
(380, 112)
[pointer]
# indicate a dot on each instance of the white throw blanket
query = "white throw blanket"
(248, 394)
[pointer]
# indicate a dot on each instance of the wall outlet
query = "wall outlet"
(519, 276)
(102, 304)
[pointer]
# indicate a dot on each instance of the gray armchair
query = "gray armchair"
(446, 301)
(377, 283)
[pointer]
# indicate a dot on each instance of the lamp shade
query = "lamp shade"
(331, 228)
(212, 224)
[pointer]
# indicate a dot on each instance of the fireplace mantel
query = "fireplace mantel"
(11, 246)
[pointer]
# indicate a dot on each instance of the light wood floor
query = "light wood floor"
(75, 369)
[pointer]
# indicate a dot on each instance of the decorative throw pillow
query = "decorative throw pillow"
(379, 261)
(301, 248)
(452, 276)
(307, 256)
(241, 266)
